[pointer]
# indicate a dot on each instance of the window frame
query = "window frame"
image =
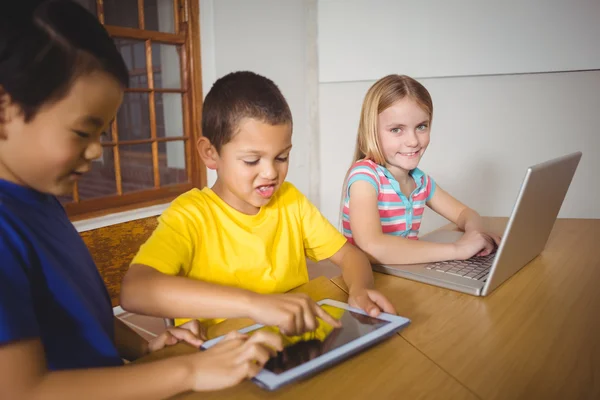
(187, 35)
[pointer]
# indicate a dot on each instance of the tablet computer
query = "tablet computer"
(311, 352)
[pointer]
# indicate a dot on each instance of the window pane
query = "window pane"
(133, 118)
(169, 114)
(136, 167)
(171, 161)
(166, 66)
(100, 181)
(159, 15)
(90, 5)
(121, 13)
(134, 54)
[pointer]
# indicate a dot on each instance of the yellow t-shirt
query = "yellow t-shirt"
(201, 237)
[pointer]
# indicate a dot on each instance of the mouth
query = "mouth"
(266, 191)
(410, 154)
(77, 174)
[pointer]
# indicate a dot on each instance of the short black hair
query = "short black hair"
(240, 95)
(46, 45)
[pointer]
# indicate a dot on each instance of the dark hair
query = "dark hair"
(46, 45)
(240, 95)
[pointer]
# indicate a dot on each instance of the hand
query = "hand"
(233, 359)
(370, 301)
(475, 243)
(191, 332)
(294, 314)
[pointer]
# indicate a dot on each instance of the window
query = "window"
(149, 153)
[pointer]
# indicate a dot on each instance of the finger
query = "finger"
(299, 319)
(257, 353)
(497, 239)
(232, 335)
(197, 328)
(363, 302)
(269, 339)
(326, 317)
(382, 302)
(310, 321)
(252, 369)
(186, 335)
(159, 342)
(232, 340)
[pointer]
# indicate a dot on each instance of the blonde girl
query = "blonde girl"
(385, 193)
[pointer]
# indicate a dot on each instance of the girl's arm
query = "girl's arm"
(23, 372)
(464, 217)
(388, 249)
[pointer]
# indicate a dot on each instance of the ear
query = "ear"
(207, 152)
(8, 111)
(4, 103)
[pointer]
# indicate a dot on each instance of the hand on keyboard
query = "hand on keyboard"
(475, 243)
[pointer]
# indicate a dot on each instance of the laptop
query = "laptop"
(538, 203)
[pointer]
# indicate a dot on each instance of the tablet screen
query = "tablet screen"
(300, 349)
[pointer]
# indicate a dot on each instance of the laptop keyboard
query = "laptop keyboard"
(476, 268)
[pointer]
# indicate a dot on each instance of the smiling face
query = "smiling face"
(403, 133)
(51, 151)
(252, 166)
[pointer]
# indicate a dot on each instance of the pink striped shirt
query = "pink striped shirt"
(399, 215)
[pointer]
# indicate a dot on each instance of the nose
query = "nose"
(93, 151)
(268, 171)
(411, 139)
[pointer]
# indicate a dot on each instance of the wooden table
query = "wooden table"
(393, 369)
(537, 336)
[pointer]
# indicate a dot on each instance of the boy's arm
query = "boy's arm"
(358, 276)
(153, 293)
(23, 372)
(176, 296)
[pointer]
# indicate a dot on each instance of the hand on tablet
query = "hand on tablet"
(235, 358)
(191, 332)
(371, 301)
(294, 314)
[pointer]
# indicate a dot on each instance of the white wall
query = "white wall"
(269, 37)
(486, 131)
(368, 39)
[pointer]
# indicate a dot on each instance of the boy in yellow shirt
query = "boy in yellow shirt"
(233, 249)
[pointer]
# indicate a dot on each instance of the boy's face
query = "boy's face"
(51, 151)
(253, 165)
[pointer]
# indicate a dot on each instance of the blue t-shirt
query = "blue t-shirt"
(49, 285)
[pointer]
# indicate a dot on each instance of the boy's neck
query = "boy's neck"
(232, 200)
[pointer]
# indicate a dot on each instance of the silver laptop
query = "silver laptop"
(535, 211)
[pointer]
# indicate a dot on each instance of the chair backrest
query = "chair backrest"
(113, 247)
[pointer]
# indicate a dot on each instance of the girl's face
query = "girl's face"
(403, 131)
(50, 152)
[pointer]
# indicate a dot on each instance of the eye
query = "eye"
(282, 159)
(422, 127)
(396, 130)
(82, 134)
(255, 162)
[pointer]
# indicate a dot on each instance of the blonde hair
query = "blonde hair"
(382, 95)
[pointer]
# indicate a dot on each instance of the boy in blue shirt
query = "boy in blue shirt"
(61, 83)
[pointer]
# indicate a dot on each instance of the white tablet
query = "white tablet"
(314, 351)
